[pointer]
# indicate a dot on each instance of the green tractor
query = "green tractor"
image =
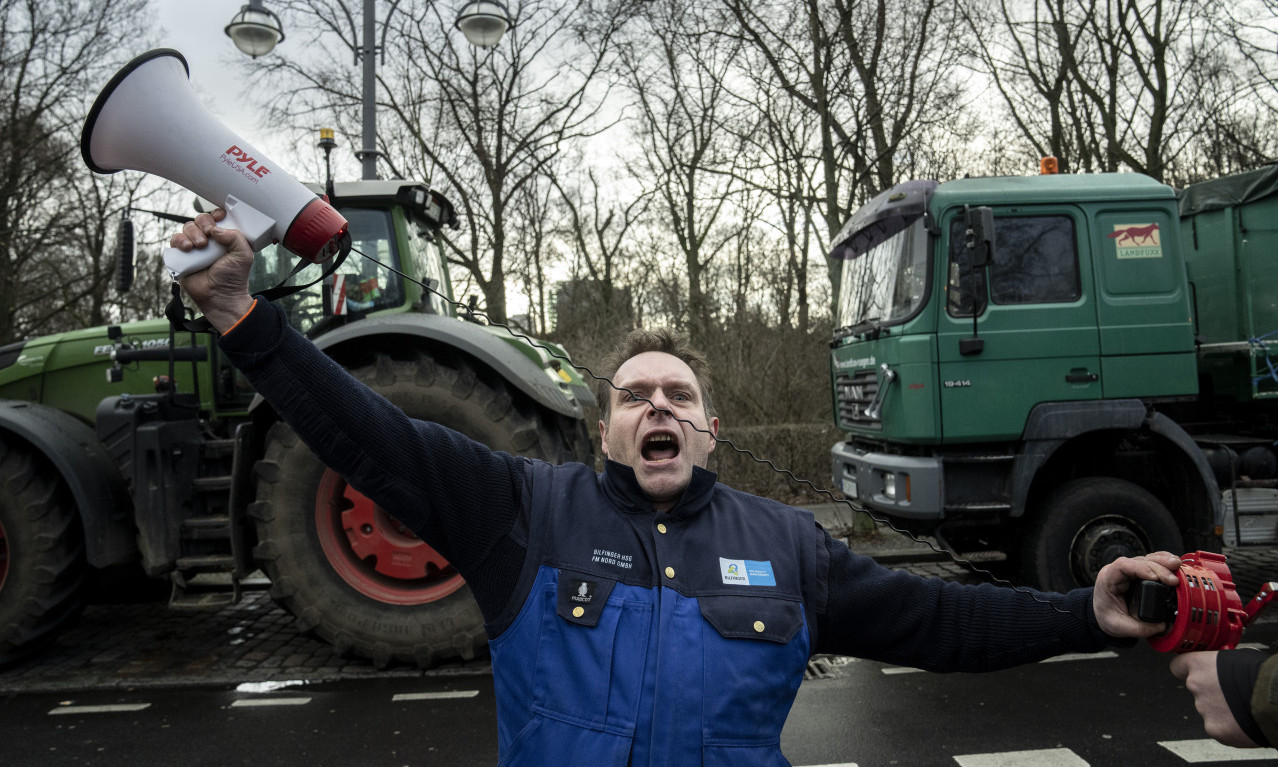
(133, 444)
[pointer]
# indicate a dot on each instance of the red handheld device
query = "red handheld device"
(1204, 611)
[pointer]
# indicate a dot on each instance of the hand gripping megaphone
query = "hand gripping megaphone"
(149, 119)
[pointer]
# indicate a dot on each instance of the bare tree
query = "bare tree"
(787, 172)
(678, 76)
(75, 289)
(870, 75)
(479, 124)
(597, 303)
(533, 251)
(53, 59)
(1239, 132)
(1108, 84)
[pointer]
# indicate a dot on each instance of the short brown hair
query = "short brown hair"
(665, 340)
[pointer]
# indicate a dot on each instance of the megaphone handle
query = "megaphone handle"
(255, 225)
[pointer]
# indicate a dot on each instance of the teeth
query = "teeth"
(660, 438)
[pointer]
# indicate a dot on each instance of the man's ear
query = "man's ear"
(603, 438)
(713, 428)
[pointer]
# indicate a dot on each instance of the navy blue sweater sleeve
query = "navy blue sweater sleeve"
(454, 493)
(900, 618)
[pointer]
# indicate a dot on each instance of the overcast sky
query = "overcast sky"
(196, 29)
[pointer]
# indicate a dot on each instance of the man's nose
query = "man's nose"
(660, 405)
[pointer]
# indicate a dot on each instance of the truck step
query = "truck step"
(202, 528)
(210, 563)
(219, 448)
(1255, 521)
(217, 484)
(204, 600)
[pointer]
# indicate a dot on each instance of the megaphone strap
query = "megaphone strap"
(176, 311)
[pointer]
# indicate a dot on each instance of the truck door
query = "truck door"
(1035, 321)
(1146, 334)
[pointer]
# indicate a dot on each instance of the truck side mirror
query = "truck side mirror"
(979, 234)
(979, 241)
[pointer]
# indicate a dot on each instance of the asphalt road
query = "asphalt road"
(139, 684)
(1107, 709)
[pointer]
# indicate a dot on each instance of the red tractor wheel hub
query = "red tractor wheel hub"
(374, 553)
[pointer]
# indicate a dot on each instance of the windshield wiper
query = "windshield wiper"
(869, 327)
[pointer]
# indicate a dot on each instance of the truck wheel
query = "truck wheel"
(1087, 523)
(42, 564)
(348, 571)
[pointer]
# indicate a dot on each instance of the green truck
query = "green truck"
(131, 447)
(1062, 368)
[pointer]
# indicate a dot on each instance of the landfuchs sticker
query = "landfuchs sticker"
(746, 572)
(1137, 240)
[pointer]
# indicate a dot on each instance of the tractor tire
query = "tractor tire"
(42, 561)
(1087, 523)
(349, 573)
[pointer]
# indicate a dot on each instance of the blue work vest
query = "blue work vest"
(651, 638)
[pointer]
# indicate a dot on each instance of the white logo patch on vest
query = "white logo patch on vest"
(583, 591)
(747, 572)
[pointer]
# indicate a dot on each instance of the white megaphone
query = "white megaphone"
(149, 119)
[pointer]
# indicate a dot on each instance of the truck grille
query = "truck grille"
(854, 391)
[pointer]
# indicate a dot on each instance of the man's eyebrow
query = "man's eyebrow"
(644, 384)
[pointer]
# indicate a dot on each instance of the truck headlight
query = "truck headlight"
(896, 487)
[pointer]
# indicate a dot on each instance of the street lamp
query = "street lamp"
(483, 22)
(255, 30)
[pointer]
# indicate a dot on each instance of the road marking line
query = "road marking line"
(1064, 657)
(1208, 750)
(1081, 656)
(108, 709)
(270, 702)
(1052, 757)
(434, 695)
(267, 686)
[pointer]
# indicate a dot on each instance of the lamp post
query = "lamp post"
(255, 30)
(368, 155)
(483, 22)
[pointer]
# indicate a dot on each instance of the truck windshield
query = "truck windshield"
(884, 285)
(362, 286)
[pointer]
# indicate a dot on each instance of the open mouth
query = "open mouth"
(660, 447)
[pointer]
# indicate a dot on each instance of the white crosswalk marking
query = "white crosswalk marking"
(434, 695)
(249, 702)
(110, 709)
(1052, 757)
(1081, 656)
(1208, 750)
(1198, 751)
(1070, 656)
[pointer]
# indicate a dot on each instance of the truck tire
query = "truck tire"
(1087, 523)
(328, 550)
(42, 562)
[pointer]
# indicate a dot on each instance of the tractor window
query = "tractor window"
(1035, 261)
(359, 285)
(430, 266)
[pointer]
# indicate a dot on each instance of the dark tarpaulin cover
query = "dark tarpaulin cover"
(1228, 191)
